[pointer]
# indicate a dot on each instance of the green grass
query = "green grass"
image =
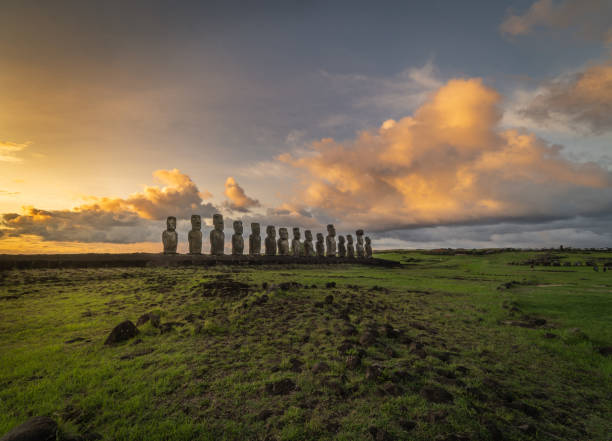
(208, 377)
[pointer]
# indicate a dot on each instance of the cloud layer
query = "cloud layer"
(450, 163)
(9, 150)
(237, 199)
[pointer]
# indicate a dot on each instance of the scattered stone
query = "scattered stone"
(353, 362)
(368, 338)
(379, 434)
(122, 332)
(296, 365)
(260, 300)
(286, 286)
(264, 285)
(391, 332)
(330, 285)
(329, 299)
(153, 317)
(320, 367)
(373, 372)
(281, 387)
(416, 348)
(39, 428)
(436, 394)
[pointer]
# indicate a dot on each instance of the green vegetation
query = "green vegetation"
(447, 347)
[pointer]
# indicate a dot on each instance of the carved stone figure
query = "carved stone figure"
(283, 242)
(341, 247)
(368, 247)
(217, 237)
(308, 247)
(237, 239)
(320, 245)
(195, 235)
(296, 245)
(270, 240)
(350, 248)
(169, 236)
(330, 241)
(255, 240)
(360, 250)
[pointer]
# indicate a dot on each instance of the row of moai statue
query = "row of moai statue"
(273, 246)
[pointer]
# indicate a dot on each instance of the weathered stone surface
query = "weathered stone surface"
(308, 246)
(368, 247)
(195, 235)
(237, 239)
(296, 245)
(217, 237)
(270, 240)
(255, 240)
(350, 248)
(169, 236)
(330, 241)
(283, 242)
(320, 246)
(360, 248)
(39, 428)
(122, 332)
(341, 247)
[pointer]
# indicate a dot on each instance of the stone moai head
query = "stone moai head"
(331, 230)
(255, 229)
(296, 233)
(283, 233)
(368, 241)
(320, 237)
(196, 222)
(308, 235)
(238, 227)
(340, 239)
(218, 221)
(359, 234)
(349, 239)
(171, 223)
(271, 231)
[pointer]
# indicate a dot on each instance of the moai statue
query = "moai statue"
(237, 239)
(255, 240)
(320, 245)
(169, 236)
(296, 245)
(270, 240)
(217, 237)
(360, 250)
(330, 241)
(308, 247)
(195, 235)
(368, 247)
(341, 247)
(350, 248)
(283, 242)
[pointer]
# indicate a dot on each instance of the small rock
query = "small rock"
(372, 373)
(353, 362)
(407, 425)
(391, 332)
(330, 285)
(265, 414)
(550, 335)
(379, 434)
(436, 394)
(320, 367)
(391, 389)
(606, 351)
(368, 338)
(349, 330)
(39, 428)
(122, 332)
(281, 387)
(296, 365)
(329, 299)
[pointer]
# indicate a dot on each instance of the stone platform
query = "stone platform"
(23, 261)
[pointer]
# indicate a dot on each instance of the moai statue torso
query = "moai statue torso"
(255, 240)
(350, 248)
(237, 239)
(341, 247)
(195, 235)
(169, 236)
(283, 242)
(296, 245)
(368, 247)
(330, 241)
(320, 245)
(360, 250)
(270, 240)
(217, 237)
(308, 247)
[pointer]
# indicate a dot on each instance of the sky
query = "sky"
(428, 124)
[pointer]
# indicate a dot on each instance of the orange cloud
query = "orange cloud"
(9, 150)
(237, 197)
(448, 163)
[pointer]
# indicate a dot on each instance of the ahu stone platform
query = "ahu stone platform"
(22, 261)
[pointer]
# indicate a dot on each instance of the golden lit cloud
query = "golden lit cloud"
(237, 197)
(9, 150)
(448, 163)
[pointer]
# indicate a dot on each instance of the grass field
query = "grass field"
(458, 347)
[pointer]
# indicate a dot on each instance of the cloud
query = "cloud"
(237, 198)
(9, 150)
(449, 163)
(589, 18)
(581, 100)
(117, 220)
